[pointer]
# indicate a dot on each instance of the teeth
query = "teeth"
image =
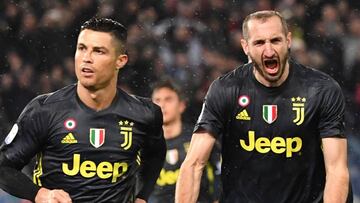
(270, 62)
(87, 70)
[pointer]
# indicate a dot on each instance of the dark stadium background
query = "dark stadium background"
(192, 41)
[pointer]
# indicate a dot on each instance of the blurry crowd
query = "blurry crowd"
(192, 41)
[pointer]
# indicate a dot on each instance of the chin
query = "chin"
(87, 85)
(272, 78)
(167, 121)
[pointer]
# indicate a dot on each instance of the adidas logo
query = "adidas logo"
(69, 139)
(243, 115)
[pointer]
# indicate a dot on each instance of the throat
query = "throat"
(172, 130)
(96, 100)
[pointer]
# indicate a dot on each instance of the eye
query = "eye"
(258, 42)
(98, 51)
(276, 40)
(80, 48)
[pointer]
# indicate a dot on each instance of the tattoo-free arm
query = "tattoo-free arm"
(337, 172)
(188, 183)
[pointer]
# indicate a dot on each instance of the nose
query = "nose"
(269, 50)
(161, 104)
(158, 102)
(87, 57)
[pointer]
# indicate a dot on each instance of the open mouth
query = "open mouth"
(87, 70)
(271, 66)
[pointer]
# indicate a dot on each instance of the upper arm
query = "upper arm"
(335, 153)
(213, 116)
(200, 148)
(27, 135)
(156, 122)
(155, 145)
(332, 111)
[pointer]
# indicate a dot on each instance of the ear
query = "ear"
(245, 46)
(121, 60)
(288, 38)
(182, 106)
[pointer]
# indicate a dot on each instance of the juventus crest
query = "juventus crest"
(126, 129)
(298, 105)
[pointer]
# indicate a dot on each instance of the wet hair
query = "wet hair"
(113, 27)
(170, 84)
(263, 16)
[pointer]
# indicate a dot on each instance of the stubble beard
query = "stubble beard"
(268, 77)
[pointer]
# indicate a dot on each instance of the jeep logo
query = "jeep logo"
(89, 169)
(277, 145)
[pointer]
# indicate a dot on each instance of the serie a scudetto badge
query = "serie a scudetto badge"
(97, 137)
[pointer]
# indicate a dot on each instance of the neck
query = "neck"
(173, 129)
(96, 99)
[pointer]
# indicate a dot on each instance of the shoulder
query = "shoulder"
(235, 76)
(140, 105)
(63, 94)
(136, 101)
(232, 79)
(314, 78)
(46, 101)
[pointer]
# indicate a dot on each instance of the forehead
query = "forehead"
(95, 38)
(164, 92)
(265, 28)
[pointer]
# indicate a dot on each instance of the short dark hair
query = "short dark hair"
(170, 84)
(263, 15)
(108, 25)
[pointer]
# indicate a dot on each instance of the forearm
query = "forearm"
(149, 174)
(188, 183)
(337, 186)
(337, 172)
(152, 164)
(16, 183)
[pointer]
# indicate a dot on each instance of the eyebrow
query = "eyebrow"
(95, 47)
(100, 48)
(271, 39)
(259, 41)
(276, 38)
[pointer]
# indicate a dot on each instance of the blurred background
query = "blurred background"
(191, 41)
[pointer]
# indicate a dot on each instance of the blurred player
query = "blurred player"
(90, 138)
(281, 126)
(177, 133)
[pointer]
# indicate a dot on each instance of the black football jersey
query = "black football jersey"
(92, 155)
(271, 136)
(164, 191)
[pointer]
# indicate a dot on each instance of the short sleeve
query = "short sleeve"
(156, 123)
(25, 138)
(153, 155)
(332, 112)
(213, 114)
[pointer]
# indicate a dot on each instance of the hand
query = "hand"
(52, 196)
(138, 200)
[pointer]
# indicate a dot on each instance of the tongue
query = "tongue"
(271, 68)
(272, 65)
